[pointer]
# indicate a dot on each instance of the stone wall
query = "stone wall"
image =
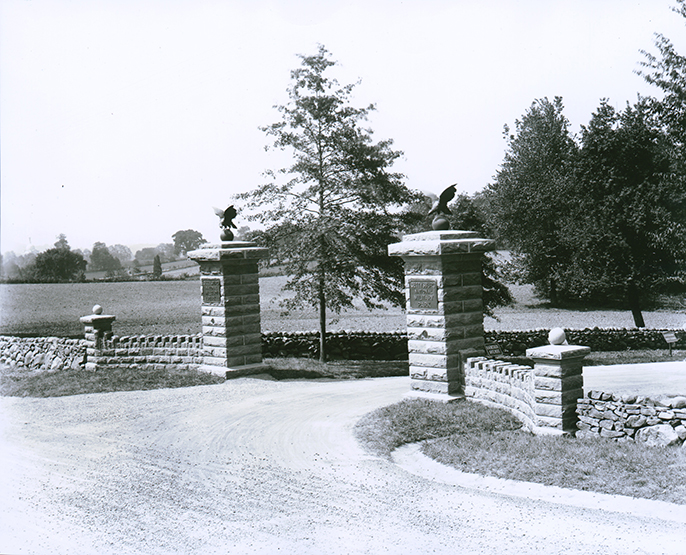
(505, 385)
(345, 345)
(632, 417)
(139, 352)
(42, 353)
(146, 351)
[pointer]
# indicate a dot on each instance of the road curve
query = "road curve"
(259, 466)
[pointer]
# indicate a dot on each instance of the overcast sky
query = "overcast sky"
(126, 121)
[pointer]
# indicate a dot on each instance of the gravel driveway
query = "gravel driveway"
(258, 466)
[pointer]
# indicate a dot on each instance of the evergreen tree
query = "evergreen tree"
(156, 267)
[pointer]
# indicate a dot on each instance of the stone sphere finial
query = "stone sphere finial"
(97, 309)
(557, 336)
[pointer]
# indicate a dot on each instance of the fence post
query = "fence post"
(443, 291)
(558, 382)
(230, 291)
(97, 330)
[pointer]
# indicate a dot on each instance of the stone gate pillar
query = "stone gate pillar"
(232, 335)
(443, 290)
(558, 385)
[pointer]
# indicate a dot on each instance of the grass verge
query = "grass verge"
(23, 383)
(490, 442)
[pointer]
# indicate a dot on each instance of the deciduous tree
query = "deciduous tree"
(333, 212)
(187, 240)
(102, 260)
(529, 196)
(59, 264)
(627, 232)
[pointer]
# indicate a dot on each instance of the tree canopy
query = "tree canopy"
(59, 264)
(529, 196)
(601, 220)
(187, 240)
(331, 214)
(103, 260)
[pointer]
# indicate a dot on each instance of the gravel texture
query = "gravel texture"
(258, 466)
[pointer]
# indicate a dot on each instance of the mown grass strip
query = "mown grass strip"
(487, 441)
(17, 383)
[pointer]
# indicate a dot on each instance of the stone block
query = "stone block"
(427, 386)
(559, 384)
(434, 361)
(558, 397)
(461, 264)
(452, 307)
(466, 293)
(555, 370)
(242, 309)
(557, 411)
(425, 321)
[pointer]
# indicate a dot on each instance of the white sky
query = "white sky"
(124, 121)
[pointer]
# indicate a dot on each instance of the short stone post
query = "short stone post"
(558, 382)
(98, 329)
(232, 335)
(443, 290)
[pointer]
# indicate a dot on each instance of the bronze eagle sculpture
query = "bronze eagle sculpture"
(226, 222)
(440, 209)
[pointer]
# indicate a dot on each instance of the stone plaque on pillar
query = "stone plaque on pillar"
(423, 294)
(230, 292)
(444, 307)
(211, 291)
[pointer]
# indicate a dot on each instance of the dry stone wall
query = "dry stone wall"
(632, 417)
(42, 353)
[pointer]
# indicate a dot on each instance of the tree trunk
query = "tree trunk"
(635, 304)
(322, 319)
(553, 291)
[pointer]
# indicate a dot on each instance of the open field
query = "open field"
(174, 308)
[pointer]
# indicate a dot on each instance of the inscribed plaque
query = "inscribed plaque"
(423, 294)
(211, 291)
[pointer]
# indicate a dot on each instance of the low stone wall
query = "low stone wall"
(42, 353)
(632, 417)
(505, 385)
(598, 339)
(141, 352)
(145, 351)
(346, 345)
(393, 346)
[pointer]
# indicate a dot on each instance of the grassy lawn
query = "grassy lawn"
(23, 383)
(488, 441)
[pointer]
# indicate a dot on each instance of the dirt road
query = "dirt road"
(257, 466)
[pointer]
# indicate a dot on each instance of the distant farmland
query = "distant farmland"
(173, 307)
